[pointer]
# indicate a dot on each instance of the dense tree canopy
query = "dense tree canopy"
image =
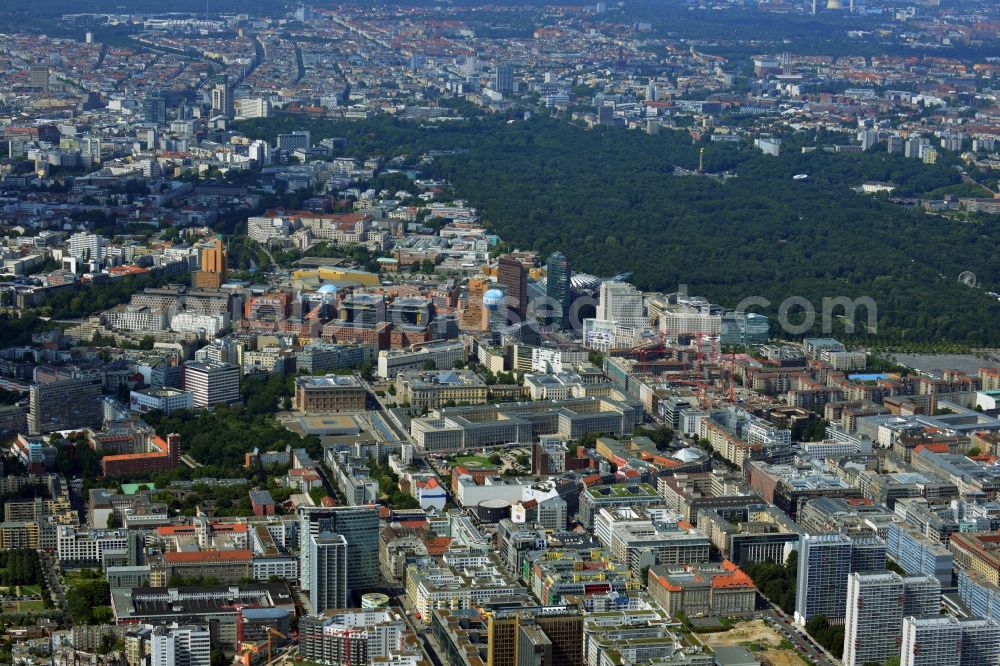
(221, 436)
(608, 200)
(776, 581)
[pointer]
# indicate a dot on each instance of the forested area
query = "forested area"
(776, 581)
(609, 201)
(606, 200)
(16, 331)
(90, 298)
(220, 437)
(88, 597)
(20, 566)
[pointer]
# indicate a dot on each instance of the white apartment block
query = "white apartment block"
(762, 432)
(75, 545)
(164, 400)
(546, 360)
(192, 322)
(931, 641)
(136, 319)
(189, 645)
(87, 247)
(844, 360)
(253, 107)
(283, 567)
(876, 604)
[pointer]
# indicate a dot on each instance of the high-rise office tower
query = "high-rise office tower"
(292, 141)
(605, 114)
(211, 383)
(876, 605)
(622, 303)
(504, 82)
(154, 108)
(557, 287)
(38, 76)
(214, 268)
(941, 640)
(359, 527)
(514, 277)
(824, 565)
(473, 316)
(64, 404)
(222, 98)
(867, 553)
(327, 571)
(518, 633)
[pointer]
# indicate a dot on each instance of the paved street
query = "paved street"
(797, 636)
(52, 575)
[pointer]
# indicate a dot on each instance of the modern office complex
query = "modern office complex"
(358, 526)
(211, 383)
(457, 428)
(824, 567)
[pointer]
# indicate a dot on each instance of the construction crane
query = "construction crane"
(699, 353)
(271, 631)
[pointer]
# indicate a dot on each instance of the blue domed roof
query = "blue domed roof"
(493, 299)
(327, 289)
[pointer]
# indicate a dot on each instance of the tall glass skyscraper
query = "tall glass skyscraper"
(359, 527)
(557, 286)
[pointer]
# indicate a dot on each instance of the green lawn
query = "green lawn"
(29, 590)
(77, 576)
(473, 461)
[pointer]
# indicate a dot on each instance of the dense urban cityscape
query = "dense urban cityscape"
(426, 333)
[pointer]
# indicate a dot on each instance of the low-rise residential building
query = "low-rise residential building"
(462, 582)
(164, 400)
